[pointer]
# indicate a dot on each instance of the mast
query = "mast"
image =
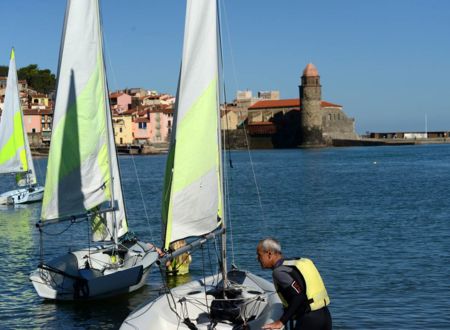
(222, 172)
(24, 134)
(109, 130)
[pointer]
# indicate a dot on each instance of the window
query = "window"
(33, 130)
(120, 130)
(142, 125)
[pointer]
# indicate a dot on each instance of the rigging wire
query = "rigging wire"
(39, 172)
(169, 294)
(258, 191)
(204, 277)
(226, 175)
(142, 199)
(132, 157)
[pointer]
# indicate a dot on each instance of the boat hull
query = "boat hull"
(22, 196)
(68, 278)
(257, 303)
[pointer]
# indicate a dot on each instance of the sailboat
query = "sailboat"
(15, 154)
(83, 181)
(194, 203)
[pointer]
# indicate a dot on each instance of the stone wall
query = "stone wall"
(235, 139)
(336, 124)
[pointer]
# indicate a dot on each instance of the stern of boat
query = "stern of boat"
(69, 278)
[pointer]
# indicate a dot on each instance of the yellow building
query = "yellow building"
(123, 123)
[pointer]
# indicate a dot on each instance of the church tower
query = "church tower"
(311, 114)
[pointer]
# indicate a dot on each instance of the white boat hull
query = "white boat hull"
(67, 278)
(22, 196)
(257, 303)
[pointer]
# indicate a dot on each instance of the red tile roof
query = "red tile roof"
(286, 103)
(115, 95)
(35, 112)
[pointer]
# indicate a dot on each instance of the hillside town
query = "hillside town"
(143, 119)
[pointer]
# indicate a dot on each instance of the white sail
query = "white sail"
(82, 162)
(15, 155)
(192, 201)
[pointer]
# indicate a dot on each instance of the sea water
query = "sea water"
(374, 220)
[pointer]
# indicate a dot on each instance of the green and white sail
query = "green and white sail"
(82, 172)
(192, 196)
(15, 154)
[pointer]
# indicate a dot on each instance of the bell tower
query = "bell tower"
(311, 114)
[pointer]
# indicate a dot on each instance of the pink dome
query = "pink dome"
(310, 71)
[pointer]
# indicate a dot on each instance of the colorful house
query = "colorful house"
(122, 123)
(120, 101)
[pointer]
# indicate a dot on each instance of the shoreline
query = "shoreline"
(338, 143)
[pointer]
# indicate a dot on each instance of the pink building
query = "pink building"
(141, 128)
(152, 124)
(32, 121)
(161, 121)
(38, 125)
(120, 101)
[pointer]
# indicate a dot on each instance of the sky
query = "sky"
(387, 62)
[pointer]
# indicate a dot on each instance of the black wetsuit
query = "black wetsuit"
(291, 285)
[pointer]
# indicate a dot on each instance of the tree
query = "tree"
(43, 81)
(3, 71)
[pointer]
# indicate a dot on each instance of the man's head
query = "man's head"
(268, 252)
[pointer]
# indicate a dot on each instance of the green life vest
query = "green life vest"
(315, 289)
(179, 266)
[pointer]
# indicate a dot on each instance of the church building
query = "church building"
(307, 121)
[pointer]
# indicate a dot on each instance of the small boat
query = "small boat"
(193, 199)
(83, 180)
(15, 154)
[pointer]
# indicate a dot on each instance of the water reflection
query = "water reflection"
(367, 227)
(16, 246)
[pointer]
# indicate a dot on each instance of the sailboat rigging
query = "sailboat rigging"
(83, 178)
(193, 198)
(15, 153)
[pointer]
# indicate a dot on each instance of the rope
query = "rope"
(142, 198)
(204, 279)
(169, 294)
(59, 233)
(41, 246)
(227, 178)
(106, 55)
(89, 238)
(245, 130)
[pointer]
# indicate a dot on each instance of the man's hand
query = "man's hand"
(274, 325)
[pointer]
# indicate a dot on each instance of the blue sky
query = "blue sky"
(386, 61)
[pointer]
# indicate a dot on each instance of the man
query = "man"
(299, 286)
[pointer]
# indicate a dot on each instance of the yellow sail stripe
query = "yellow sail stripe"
(197, 148)
(15, 144)
(87, 128)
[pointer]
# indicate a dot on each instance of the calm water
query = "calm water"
(375, 221)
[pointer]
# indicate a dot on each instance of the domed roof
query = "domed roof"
(310, 71)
